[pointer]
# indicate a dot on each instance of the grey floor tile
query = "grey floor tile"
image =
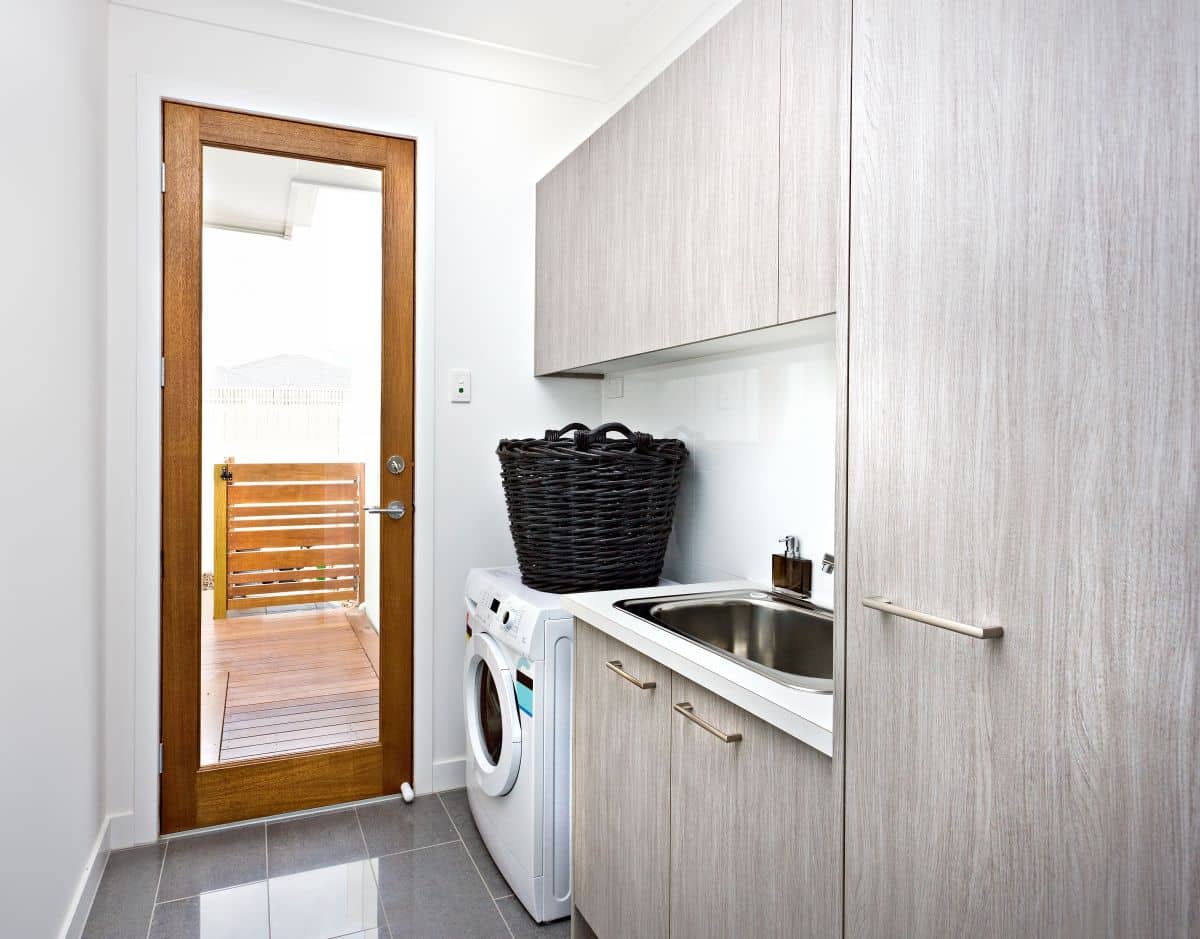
(496, 883)
(233, 913)
(124, 900)
(304, 844)
(456, 804)
(394, 826)
(200, 863)
(523, 925)
(435, 893)
(340, 900)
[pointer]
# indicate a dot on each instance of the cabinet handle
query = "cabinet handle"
(615, 665)
(684, 708)
(884, 605)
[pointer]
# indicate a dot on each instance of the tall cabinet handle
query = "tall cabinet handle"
(884, 605)
(615, 665)
(684, 708)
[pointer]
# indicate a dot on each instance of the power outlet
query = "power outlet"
(460, 385)
(614, 387)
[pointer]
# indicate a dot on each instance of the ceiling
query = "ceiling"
(599, 50)
(584, 32)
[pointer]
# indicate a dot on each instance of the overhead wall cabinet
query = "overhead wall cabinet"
(711, 204)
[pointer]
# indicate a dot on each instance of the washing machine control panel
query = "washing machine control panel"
(505, 617)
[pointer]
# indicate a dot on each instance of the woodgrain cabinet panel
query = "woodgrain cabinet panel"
(563, 292)
(1022, 452)
(814, 158)
(681, 206)
(621, 838)
(753, 827)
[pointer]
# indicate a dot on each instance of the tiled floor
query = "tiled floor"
(382, 870)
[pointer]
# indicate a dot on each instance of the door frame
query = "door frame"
(190, 795)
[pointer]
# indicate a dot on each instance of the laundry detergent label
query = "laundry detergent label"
(525, 692)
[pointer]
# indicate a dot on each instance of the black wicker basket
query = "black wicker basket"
(589, 513)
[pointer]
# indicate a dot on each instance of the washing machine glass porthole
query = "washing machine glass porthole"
(490, 720)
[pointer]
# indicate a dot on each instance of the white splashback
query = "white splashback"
(760, 425)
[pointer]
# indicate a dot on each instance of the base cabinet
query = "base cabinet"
(752, 826)
(621, 839)
(679, 832)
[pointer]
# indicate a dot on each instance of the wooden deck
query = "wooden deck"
(287, 682)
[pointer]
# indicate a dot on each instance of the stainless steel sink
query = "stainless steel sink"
(788, 640)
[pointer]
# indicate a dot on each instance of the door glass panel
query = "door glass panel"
(290, 455)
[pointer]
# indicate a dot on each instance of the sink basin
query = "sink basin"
(788, 640)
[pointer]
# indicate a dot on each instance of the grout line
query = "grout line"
(387, 922)
(267, 872)
(214, 891)
(158, 886)
(470, 857)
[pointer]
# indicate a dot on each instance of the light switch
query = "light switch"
(460, 384)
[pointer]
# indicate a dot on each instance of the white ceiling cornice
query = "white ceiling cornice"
(668, 28)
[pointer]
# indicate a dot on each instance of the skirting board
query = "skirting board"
(449, 774)
(89, 882)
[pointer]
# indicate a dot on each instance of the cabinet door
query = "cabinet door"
(688, 177)
(563, 296)
(753, 827)
(1022, 453)
(814, 160)
(621, 771)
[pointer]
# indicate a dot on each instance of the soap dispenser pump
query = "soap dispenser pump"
(789, 571)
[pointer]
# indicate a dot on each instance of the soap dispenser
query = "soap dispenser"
(789, 571)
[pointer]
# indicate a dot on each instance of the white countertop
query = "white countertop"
(805, 715)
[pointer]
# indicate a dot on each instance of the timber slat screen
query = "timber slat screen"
(287, 533)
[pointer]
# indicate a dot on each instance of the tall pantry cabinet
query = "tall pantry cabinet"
(1024, 452)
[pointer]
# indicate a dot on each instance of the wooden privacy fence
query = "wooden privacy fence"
(287, 533)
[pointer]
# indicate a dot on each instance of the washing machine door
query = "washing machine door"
(493, 722)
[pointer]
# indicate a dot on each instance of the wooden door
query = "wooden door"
(193, 795)
(1022, 453)
(753, 849)
(621, 839)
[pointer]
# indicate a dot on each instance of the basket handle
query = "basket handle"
(557, 434)
(585, 438)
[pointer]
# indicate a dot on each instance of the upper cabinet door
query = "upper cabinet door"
(814, 161)
(708, 186)
(564, 298)
(1024, 392)
(680, 213)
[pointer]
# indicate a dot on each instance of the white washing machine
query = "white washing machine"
(517, 700)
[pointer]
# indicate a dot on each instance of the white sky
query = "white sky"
(317, 294)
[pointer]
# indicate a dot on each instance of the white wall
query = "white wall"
(51, 471)
(491, 143)
(760, 426)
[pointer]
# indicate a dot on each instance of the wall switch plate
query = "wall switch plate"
(614, 387)
(460, 384)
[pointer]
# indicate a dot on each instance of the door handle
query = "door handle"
(686, 709)
(884, 605)
(394, 509)
(615, 666)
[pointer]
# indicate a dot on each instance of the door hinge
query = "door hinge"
(162, 176)
(162, 372)
(160, 757)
